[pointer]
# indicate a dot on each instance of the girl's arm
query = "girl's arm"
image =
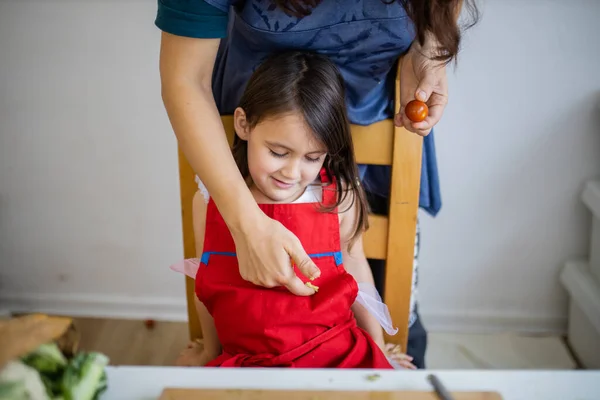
(212, 345)
(356, 264)
(264, 246)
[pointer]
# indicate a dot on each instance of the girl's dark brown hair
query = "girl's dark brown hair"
(309, 84)
(436, 17)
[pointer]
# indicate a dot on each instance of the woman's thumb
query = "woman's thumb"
(304, 263)
(425, 88)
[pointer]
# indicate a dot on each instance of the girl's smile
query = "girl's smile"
(281, 184)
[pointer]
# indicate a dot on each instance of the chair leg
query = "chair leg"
(404, 202)
(402, 224)
(186, 174)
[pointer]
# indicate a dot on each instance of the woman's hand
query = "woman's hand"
(265, 250)
(423, 79)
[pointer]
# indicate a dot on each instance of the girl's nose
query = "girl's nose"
(291, 170)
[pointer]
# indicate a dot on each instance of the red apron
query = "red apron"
(260, 327)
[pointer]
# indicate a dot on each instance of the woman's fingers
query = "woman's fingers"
(422, 128)
(299, 256)
(265, 255)
(425, 80)
(427, 86)
(436, 105)
(296, 286)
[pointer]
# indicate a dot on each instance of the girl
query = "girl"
(294, 149)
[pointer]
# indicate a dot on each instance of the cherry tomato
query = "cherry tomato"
(416, 111)
(149, 323)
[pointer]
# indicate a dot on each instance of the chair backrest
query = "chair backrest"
(390, 238)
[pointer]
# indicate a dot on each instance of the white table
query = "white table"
(146, 383)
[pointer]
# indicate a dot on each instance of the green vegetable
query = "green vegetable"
(46, 358)
(19, 381)
(85, 377)
(46, 373)
(49, 361)
(14, 390)
(373, 377)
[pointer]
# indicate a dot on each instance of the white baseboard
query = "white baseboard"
(175, 309)
(100, 306)
(492, 322)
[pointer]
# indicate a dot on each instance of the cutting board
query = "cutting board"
(236, 394)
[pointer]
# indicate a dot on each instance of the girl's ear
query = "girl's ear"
(240, 124)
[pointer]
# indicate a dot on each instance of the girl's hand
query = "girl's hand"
(394, 352)
(423, 79)
(265, 250)
(193, 355)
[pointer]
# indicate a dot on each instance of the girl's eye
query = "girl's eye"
(276, 154)
(313, 159)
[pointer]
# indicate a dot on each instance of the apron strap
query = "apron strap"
(329, 188)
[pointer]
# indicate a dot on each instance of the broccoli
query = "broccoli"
(49, 361)
(85, 377)
(47, 358)
(53, 370)
(19, 381)
(82, 377)
(14, 390)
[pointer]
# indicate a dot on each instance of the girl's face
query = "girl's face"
(284, 156)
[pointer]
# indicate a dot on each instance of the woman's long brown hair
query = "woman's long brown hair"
(311, 85)
(436, 17)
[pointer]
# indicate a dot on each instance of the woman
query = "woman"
(210, 48)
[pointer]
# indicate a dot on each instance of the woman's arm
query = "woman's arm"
(356, 264)
(186, 67)
(263, 246)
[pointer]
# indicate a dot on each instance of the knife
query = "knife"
(440, 390)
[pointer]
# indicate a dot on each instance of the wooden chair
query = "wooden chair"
(388, 238)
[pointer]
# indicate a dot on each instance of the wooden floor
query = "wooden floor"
(131, 342)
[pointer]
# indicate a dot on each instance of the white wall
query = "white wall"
(89, 189)
(89, 200)
(519, 138)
